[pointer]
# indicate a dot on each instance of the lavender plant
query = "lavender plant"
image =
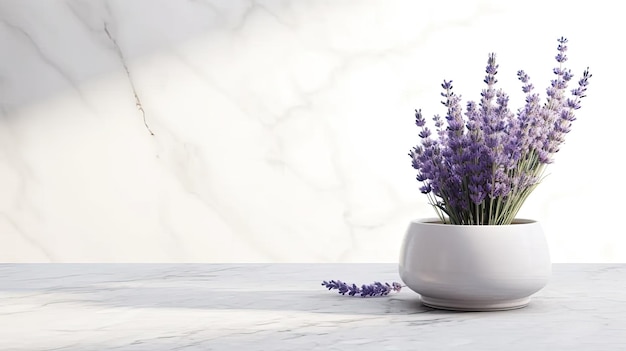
(483, 163)
(370, 290)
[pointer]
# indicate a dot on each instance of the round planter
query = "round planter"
(475, 267)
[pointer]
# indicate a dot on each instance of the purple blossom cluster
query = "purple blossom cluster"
(482, 163)
(371, 290)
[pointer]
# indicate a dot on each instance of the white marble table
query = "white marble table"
(80, 307)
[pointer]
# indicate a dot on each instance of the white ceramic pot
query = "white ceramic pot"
(475, 267)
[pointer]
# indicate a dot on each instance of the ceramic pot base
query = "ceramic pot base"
(475, 267)
(475, 306)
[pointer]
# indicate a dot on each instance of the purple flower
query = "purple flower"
(371, 290)
(482, 163)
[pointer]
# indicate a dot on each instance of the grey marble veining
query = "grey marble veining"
(153, 307)
(276, 131)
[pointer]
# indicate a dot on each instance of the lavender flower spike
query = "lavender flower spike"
(371, 290)
(478, 167)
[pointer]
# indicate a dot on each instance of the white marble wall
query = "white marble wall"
(280, 128)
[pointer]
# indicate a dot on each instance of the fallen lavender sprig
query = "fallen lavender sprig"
(374, 289)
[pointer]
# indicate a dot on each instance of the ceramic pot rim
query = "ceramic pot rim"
(437, 222)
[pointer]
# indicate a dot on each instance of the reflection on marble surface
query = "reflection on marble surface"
(153, 307)
(271, 131)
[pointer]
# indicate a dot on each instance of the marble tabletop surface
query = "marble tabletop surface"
(80, 307)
